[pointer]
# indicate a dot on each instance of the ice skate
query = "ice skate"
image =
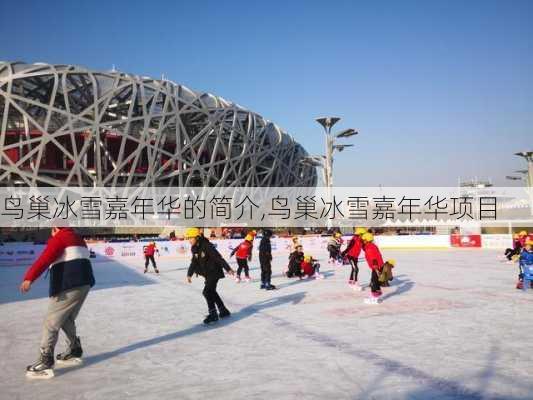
(351, 282)
(372, 300)
(270, 287)
(238, 279)
(263, 285)
(248, 279)
(72, 356)
(318, 275)
(212, 317)
(145, 271)
(156, 271)
(43, 367)
(224, 313)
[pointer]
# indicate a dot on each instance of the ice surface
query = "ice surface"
(452, 326)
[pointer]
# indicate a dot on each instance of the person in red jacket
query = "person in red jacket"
(310, 267)
(71, 276)
(352, 252)
(149, 252)
(375, 262)
(243, 254)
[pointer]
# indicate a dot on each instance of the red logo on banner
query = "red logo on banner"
(465, 240)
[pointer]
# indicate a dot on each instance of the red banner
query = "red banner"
(465, 240)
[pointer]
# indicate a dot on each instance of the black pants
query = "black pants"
(211, 296)
(266, 269)
(333, 252)
(355, 268)
(374, 281)
(147, 259)
(243, 264)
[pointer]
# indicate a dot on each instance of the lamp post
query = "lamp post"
(326, 161)
(528, 156)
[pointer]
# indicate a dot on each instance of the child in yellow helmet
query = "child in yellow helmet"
(310, 267)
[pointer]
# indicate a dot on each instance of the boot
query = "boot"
(223, 312)
(72, 355)
(212, 317)
(263, 285)
(43, 367)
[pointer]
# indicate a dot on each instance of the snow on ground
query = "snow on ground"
(452, 326)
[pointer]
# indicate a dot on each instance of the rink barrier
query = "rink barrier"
(19, 253)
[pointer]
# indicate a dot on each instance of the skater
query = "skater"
(375, 262)
(310, 267)
(71, 277)
(385, 276)
(243, 254)
(334, 246)
(352, 252)
(295, 262)
(526, 258)
(265, 260)
(149, 252)
(207, 262)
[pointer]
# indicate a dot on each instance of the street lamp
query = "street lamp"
(528, 155)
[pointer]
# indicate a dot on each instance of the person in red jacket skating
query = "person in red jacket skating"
(149, 252)
(243, 254)
(352, 252)
(66, 257)
(375, 262)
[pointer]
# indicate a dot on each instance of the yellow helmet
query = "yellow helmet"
(367, 237)
(516, 236)
(249, 238)
(192, 233)
(392, 262)
(307, 258)
(529, 242)
(360, 231)
(523, 233)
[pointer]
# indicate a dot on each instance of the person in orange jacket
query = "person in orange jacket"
(375, 262)
(243, 254)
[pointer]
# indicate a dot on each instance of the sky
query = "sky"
(438, 90)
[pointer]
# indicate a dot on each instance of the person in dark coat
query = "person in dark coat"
(265, 260)
(207, 262)
(295, 262)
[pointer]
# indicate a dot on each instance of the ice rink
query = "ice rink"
(451, 326)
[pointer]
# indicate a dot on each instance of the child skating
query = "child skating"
(526, 259)
(149, 253)
(310, 267)
(295, 263)
(209, 263)
(334, 247)
(352, 252)
(243, 254)
(375, 262)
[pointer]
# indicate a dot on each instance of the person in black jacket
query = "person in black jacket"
(265, 260)
(295, 262)
(207, 262)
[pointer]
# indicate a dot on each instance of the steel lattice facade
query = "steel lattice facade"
(64, 125)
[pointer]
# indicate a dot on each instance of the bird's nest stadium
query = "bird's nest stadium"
(65, 125)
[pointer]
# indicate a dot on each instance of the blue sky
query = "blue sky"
(438, 89)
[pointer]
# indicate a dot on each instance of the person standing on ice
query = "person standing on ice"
(265, 260)
(352, 252)
(207, 262)
(526, 258)
(243, 254)
(334, 246)
(375, 262)
(149, 252)
(71, 277)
